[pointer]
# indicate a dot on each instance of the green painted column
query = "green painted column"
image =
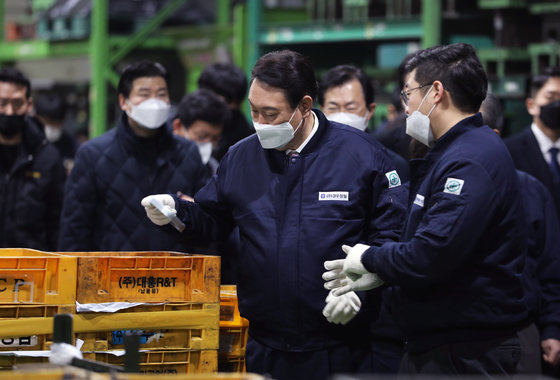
(253, 27)
(99, 55)
(431, 23)
(1, 20)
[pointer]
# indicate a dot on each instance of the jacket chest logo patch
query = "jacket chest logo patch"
(334, 196)
(31, 174)
(453, 186)
(419, 200)
(393, 178)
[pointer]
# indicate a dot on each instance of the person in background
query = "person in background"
(200, 117)
(296, 193)
(535, 150)
(542, 265)
(32, 176)
(456, 275)
(346, 95)
(50, 109)
(394, 135)
(114, 171)
(229, 82)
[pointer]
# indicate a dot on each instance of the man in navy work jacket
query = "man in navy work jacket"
(456, 274)
(297, 189)
(113, 172)
(542, 265)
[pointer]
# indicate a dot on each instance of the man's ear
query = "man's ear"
(371, 110)
(306, 105)
(122, 102)
(532, 107)
(178, 127)
(438, 91)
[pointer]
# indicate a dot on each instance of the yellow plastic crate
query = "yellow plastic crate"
(146, 277)
(233, 340)
(166, 362)
(182, 325)
(30, 276)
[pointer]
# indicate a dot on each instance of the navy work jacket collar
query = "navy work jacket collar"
(160, 142)
(277, 159)
(462, 127)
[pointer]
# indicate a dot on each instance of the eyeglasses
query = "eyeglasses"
(406, 94)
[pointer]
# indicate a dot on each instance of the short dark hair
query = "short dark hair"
(341, 74)
(138, 70)
(202, 105)
(225, 79)
(50, 105)
(458, 68)
(13, 75)
(492, 112)
(537, 81)
(289, 71)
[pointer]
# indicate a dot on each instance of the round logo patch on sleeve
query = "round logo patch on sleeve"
(453, 186)
(393, 178)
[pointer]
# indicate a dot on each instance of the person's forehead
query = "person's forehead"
(347, 91)
(149, 82)
(263, 95)
(9, 89)
(202, 126)
(409, 80)
(551, 85)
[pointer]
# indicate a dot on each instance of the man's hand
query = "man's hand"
(341, 310)
(551, 351)
(153, 213)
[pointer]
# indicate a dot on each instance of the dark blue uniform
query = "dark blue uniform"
(457, 271)
(294, 213)
(540, 276)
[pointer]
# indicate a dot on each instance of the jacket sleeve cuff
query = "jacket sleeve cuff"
(550, 332)
(368, 259)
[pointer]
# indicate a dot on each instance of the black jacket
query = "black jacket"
(527, 157)
(31, 194)
(111, 175)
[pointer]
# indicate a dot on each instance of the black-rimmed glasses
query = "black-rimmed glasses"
(406, 94)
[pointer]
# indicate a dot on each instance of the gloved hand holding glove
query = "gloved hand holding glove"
(154, 214)
(341, 309)
(346, 275)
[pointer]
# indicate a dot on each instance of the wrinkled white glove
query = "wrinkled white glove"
(341, 309)
(339, 280)
(153, 213)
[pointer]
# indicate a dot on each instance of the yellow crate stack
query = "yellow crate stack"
(234, 331)
(177, 319)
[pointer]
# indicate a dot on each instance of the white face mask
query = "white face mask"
(276, 136)
(351, 119)
(205, 150)
(418, 124)
(151, 113)
(53, 133)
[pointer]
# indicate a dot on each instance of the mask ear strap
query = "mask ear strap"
(425, 96)
(429, 113)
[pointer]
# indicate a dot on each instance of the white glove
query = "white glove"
(154, 214)
(341, 309)
(338, 279)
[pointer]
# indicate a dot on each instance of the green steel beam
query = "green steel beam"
(143, 33)
(544, 8)
(223, 12)
(499, 4)
(239, 35)
(99, 53)
(1, 20)
(431, 23)
(341, 32)
(253, 28)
